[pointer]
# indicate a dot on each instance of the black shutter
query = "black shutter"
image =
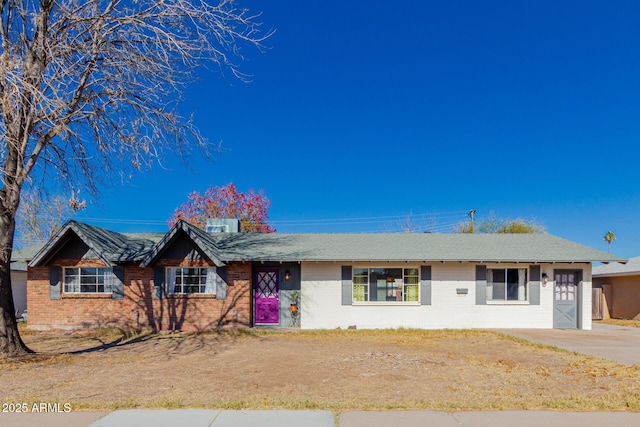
(158, 283)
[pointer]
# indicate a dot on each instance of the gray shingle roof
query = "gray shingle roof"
(201, 238)
(18, 266)
(632, 267)
(110, 246)
(26, 254)
(115, 247)
(405, 247)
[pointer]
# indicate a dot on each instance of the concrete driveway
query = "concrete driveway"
(620, 344)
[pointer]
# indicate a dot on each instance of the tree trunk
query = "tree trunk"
(10, 342)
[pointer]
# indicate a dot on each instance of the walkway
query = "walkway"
(216, 418)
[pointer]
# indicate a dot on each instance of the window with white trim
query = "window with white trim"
(507, 284)
(88, 280)
(386, 284)
(190, 280)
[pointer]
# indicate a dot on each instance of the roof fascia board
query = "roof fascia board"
(622, 274)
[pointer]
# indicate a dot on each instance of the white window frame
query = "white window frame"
(75, 287)
(207, 281)
(361, 289)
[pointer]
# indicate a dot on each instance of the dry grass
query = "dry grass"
(333, 369)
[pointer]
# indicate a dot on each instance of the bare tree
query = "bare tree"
(40, 215)
(89, 88)
(495, 225)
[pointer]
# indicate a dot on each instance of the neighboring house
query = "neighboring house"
(620, 284)
(187, 279)
(19, 261)
(19, 286)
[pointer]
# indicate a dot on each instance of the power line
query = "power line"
(440, 221)
(372, 218)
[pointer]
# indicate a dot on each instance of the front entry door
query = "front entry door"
(565, 304)
(266, 297)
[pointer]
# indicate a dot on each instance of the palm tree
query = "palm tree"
(609, 237)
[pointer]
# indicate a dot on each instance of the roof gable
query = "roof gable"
(108, 246)
(200, 239)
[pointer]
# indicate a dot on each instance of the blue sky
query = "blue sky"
(364, 112)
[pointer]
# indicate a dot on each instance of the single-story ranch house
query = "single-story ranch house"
(620, 284)
(188, 279)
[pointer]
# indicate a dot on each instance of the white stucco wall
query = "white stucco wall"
(321, 301)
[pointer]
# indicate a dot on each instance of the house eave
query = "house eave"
(624, 274)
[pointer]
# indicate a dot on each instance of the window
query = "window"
(96, 280)
(507, 284)
(386, 284)
(191, 280)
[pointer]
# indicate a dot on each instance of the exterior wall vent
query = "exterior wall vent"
(223, 225)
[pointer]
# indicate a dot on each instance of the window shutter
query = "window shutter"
(117, 291)
(425, 285)
(534, 285)
(347, 285)
(211, 281)
(481, 284)
(54, 282)
(221, 283)
(158, 283)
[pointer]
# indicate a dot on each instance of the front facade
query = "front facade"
(447, 295)
(187, 279)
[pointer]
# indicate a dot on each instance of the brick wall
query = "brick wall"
(138, 309)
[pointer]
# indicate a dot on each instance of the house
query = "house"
(617, 289)
(19, 286)
(188, 279)
(19, 261)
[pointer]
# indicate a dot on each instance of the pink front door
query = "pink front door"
(266, 297)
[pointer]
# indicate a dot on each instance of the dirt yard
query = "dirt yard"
(337, 370)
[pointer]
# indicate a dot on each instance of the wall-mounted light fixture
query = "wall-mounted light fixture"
(287, 275)
(545, 279)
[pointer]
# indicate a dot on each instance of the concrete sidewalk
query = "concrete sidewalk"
(276, 418)
(171, 418)
(487, 419)
(215, 418)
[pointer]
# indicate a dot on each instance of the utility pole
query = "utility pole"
(471, 214)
